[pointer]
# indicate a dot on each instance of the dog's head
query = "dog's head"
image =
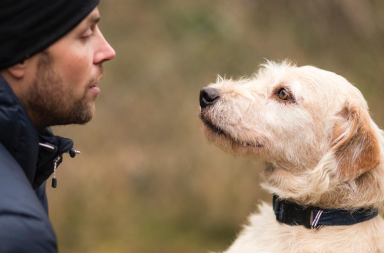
(311, 126)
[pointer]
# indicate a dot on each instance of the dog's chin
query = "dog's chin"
(224, 140)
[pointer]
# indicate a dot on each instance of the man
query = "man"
(51, 55)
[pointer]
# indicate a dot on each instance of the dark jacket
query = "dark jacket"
(26, 161)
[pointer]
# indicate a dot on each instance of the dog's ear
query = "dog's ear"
(356, 146)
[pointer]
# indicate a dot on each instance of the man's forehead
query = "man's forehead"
(93, 17)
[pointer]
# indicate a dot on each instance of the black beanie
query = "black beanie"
(27, 27)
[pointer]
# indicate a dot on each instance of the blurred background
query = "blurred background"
(147, 181)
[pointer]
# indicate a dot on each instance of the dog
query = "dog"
(323, 156)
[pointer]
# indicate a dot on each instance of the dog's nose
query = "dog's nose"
(208, 96)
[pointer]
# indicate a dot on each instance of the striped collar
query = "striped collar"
(313, 217)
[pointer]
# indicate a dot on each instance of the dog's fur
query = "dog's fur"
(321, 149)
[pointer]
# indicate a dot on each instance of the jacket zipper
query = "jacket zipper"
(54, 180)
(72, 152)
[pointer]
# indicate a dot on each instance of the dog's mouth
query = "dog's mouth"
(213, 128)
(220, 132)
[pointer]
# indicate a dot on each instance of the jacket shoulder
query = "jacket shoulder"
(24, 224)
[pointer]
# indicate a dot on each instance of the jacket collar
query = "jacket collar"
(313, 217)
(19, 136)
(51, 148)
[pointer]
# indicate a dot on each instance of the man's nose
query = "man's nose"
(110, 52)
(105, 51)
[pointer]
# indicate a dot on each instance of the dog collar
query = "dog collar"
(313, 217)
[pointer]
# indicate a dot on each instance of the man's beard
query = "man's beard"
(50, 102)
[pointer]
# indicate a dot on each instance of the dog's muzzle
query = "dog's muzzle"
(208, 96)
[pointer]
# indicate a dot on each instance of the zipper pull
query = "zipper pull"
(54, 180)
(72, 152)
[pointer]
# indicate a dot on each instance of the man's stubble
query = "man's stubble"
(51, 102)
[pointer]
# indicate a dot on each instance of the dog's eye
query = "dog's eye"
(283, 94)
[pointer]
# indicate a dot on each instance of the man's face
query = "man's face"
(65, 86)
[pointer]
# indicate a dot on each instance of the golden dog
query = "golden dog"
(323, 154)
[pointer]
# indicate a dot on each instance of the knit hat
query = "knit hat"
(27, 27)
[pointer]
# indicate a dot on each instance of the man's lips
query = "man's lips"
(95, 88)
(96, 80)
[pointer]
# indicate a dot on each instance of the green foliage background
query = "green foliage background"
(146, 180)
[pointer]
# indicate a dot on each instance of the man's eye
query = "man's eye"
(87, 34)
(283, 94)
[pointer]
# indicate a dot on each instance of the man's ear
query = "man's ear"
(17, 71)
(356, 145)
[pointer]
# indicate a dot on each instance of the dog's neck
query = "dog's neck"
(364, 192)
(313, 217)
